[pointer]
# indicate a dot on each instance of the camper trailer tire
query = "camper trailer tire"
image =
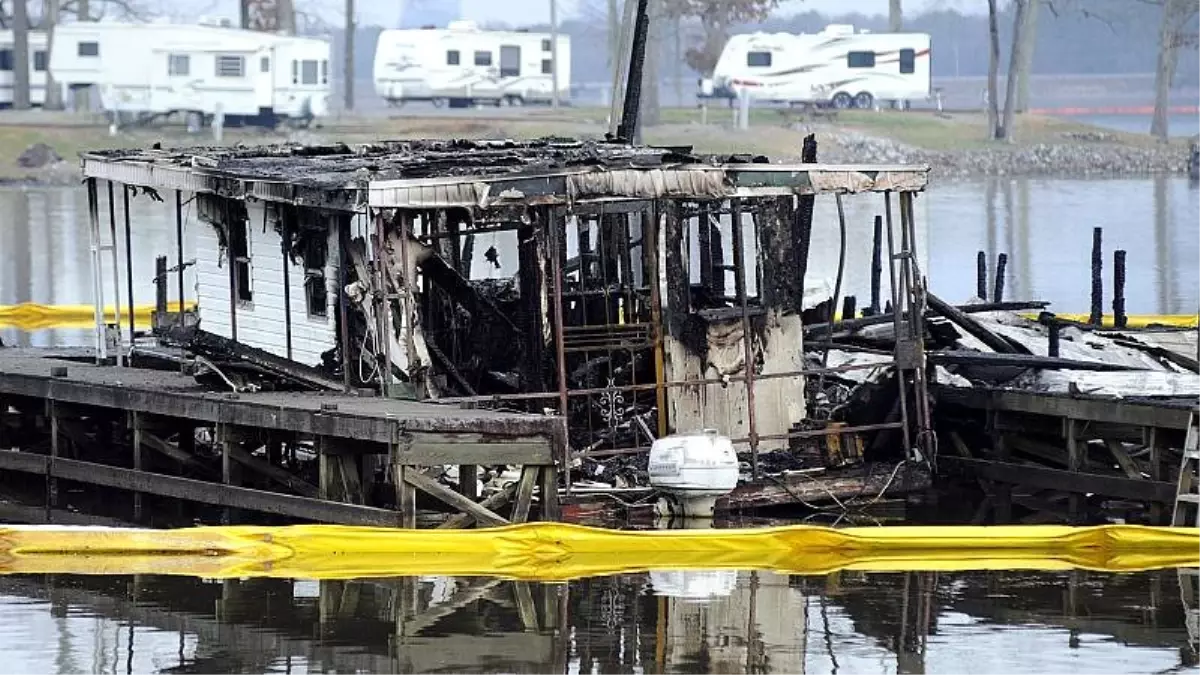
(864, 100)
(438, 102)
(842, 100)
(513, 101)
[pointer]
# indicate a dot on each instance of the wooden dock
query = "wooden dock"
(1058, 449)
(97, 422)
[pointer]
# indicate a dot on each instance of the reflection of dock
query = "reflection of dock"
(246, 626)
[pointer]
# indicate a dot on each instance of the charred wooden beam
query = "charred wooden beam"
(211, 345)
(1056, 479)
(968, 358)
(976, 329)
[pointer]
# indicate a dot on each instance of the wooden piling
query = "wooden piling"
(1097, 315)
(1120, 320)
(998, 286)
(876, 266)
(981, 275)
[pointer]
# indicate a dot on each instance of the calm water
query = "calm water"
(723, 622)
(677, 622)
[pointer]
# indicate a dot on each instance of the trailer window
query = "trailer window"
(545, 45)
(308, 71)
(547, 66)
(452, 57)
(179, 64)
(860, 60)
(315, 294)
(483, 58)
(264, 64)
(6, 60)
(758, 59)
(231, 66)
(239, 255)
(908, 61)
(88, 49)
(39, 61)
(324, 71)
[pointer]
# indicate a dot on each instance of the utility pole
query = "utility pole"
(553, 53)
(348, 70)
(20, 56)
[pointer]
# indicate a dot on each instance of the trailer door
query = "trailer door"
(510, 61)
(264, 78)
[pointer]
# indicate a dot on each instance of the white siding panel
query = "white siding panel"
(262, 322)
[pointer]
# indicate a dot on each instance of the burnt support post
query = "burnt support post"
(285, 214)
(876, 267)
(1119, 318)
(160, 287)
(179, 249)
(998, 286)
(627, 131)
(129, 263)
(981, 275)
(1097, 315)
(558, 252)
(101, 341)
(343, 226)
(849, 307)
(739, 263)
(804, 215)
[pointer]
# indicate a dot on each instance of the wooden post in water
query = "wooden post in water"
(981, 275)
(876, 266)
(1097, 315)
(1119, 318)
(998, 286)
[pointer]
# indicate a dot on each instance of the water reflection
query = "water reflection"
(679, 622)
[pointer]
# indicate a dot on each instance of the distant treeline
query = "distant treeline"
(1084, 37)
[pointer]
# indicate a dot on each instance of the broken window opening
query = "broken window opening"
(316, 252)
(239, 256)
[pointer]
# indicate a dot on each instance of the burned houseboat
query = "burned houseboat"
(633, 291)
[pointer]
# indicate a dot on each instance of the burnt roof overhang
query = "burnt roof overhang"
(478, 173)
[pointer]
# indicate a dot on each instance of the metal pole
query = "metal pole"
(343, 226)
(179, 248)
(97, 274)
(739, 262)
(897, 311)
(116, 268)
(554, 53)
(560, 350)
(129, 264)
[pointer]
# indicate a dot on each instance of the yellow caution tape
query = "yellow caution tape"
(31, 316)
(1133, 320)
(559, 552)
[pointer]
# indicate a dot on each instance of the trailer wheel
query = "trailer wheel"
(514, 101)
(842, 100)
(864, 100)
(438, 102)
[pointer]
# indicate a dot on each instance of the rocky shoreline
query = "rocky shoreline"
(1087, 154)
(1093, 154)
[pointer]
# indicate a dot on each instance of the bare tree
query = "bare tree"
(1172, 35)
(53, 99)
(1015, 60)
(993, 71)
(649, 109)
(717, 18)
(20, 56)
(895, 16)
(1028, 45)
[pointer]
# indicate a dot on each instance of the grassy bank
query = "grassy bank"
(777, 133)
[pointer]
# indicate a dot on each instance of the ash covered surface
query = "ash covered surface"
(340, 165)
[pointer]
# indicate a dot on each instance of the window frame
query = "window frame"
(908, 57)
(453, 57)
(173, 62)
(94, 49)
(219, 59)
(851, 63)
(750, 60)
(486, 63)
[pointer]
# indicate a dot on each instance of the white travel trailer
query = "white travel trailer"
(149, 70)
(461, 65)
(838, 67)
(38, 60)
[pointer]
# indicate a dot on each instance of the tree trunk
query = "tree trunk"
(20, 56)
(1164, 71)
(614, 33)
(285, 16)
(677, 59)
(348, 69)
(993, 70)
(1015, 59)
(895, 16)
(54, 98)
(1029, 39)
